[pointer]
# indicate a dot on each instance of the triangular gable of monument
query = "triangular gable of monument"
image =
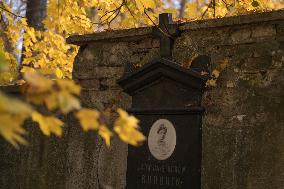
(161, 68)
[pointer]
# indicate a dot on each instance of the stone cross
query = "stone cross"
(166, 31)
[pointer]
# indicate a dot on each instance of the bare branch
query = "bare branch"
(165, 33)
(114, 11)
(130, 12)
(206, 10)
(94, 23)
(4, 9)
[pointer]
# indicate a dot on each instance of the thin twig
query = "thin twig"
(226, 4)
(114, 17)
(208, 6)
(106, 20)
(107, 12)
(114, 10)
(166, 34)
(130, 12)
(118, 9)
(94, 23)
(4, 9)
(214, 8)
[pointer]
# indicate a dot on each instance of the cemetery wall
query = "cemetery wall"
(243, 126)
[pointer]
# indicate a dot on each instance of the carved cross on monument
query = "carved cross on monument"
(166, 31)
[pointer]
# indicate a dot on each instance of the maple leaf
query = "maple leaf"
(105, 133)
(11, 128)
(212, 82)
(37, 82)
(48, 124)
(88, 119)
(127, 128)
(69, 85)
(48, 52)
(59, 73)
(3, 60)
(13, 113)
(67, 102)
(191, 9)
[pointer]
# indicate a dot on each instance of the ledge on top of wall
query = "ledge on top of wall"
(144, 32)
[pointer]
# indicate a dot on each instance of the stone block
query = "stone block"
(107, 72)
(110, 82)
(280, 29)
(89, 83)
(108, 96)
(82, 69)
(257, 63)
(264, 31)
(241, 36)
(264, 48)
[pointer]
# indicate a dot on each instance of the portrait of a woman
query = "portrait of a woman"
(162, 139)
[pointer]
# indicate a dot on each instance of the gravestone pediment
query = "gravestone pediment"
(166, 98)
(155, 71)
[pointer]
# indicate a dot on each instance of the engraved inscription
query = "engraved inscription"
(161, 180)
(161, 175)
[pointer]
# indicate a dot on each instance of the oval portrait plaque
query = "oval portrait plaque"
(162, 139)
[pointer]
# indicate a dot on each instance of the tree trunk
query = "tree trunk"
(182, 7)
(3, 35)
(36, 13)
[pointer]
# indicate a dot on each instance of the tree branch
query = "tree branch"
(165, 33)
(3, 27)
(208, 6)
(4, 9)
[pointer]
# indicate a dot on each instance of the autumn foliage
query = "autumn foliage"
(44, 69)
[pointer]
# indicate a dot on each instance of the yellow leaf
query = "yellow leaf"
(67, 102)
(88, 119)
(191, 9)
(3, 61)
(13, 113)
(149, 4)
(48, 124)
(36, 81)
(11, 128)
(69, 85)
(105, 133)
(14, 106)
(224, 64)
(31, 33)
(127, 128)
(58, 73)
(140, 6)
(51, 101)
(215, 73)
(212, 82)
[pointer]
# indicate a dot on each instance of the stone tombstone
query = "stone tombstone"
(166, 99)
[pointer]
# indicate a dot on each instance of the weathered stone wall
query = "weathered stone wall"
(243, 138)
(243, 127)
